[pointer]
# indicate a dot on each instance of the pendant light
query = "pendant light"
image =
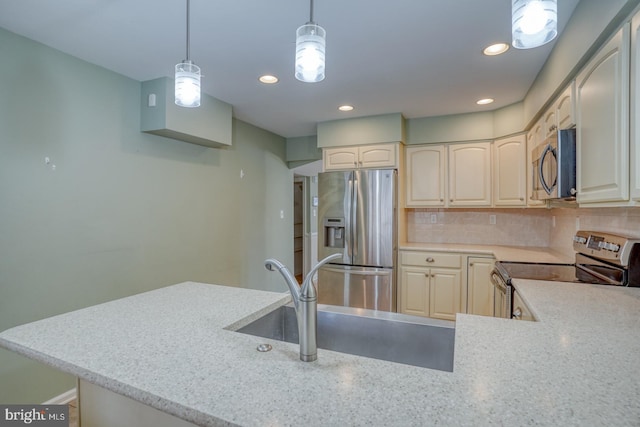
(310, 48)
(533, 22)
(187, 79)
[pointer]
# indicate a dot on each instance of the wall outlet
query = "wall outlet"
(434, 219)
(492, 219)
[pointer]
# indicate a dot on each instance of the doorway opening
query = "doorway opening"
(298, 228)
(305, 218)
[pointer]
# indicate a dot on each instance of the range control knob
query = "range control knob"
(614, 247)
(580, 239)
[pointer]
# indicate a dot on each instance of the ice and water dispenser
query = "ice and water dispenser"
(334, 232)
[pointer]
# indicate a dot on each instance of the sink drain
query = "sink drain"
(264, 347)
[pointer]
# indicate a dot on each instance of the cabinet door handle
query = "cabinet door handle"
(471, 264)
(430, 259)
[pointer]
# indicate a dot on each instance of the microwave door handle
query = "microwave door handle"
(598, 275)
(541, 170)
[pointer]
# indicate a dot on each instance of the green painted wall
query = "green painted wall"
(124, 211)
(362, 130)
(302, 150)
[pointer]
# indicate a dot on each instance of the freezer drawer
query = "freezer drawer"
(360, 287)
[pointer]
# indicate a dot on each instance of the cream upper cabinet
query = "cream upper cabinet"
(565, 107)
(602, 122)
(561, 114)
(634, 162)
(470, 174)
(510, 171)
(549, 122)
(480, 288)
(425, 168)
(340, 158)
(364, 156)
(534, 138)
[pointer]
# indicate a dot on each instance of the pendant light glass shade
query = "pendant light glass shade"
(187, 84)
(533, 22)
(310, 48)
(187, 81)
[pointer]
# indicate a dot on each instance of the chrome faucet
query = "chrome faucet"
(305, 302)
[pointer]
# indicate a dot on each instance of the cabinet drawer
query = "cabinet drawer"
(431, 259)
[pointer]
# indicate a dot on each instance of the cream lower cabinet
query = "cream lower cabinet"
(520, 310)
(480, 288)
(431, 284)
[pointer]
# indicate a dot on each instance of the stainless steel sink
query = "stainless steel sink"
(394, 337)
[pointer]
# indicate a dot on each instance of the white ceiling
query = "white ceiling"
(417, 57)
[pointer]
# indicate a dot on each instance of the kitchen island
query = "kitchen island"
(174, 349)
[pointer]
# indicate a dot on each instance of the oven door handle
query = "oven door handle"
(598, 275)
(498, 282)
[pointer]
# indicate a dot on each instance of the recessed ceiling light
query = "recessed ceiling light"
(345, 107)
(268, 79)
(484, 101)
(496, 49)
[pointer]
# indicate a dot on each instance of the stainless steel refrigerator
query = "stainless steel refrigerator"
(357, 218)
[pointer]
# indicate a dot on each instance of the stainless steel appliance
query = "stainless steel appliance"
(601, 258)
(554, 167)
(357, 219)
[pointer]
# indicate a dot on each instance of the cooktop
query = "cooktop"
(540, 271)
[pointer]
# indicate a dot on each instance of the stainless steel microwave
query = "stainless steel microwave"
(554, 167)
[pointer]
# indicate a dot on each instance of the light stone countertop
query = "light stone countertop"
(501, 253)
(168, 348)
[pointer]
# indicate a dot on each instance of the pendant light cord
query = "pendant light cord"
(188, 44)
(310, 11)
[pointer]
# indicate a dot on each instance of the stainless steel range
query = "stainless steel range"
(601, 258)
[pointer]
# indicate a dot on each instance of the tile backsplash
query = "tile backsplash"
(517, 227)
(552, 228)
(624, 221)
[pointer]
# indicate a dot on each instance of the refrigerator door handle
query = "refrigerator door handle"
(359, 273)
(354, 216)
(348, 232)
